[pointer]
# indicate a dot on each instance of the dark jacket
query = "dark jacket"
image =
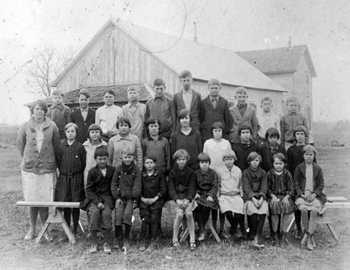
(98, 187)
(60, 114)
(254, 183)
(209, 115)
(83, 125)
(153, 185)
(207, 185)
(280, 185)
(161, 108)
(300, 181)
(242, 151)
(34, 161)
(182, 183)
(267, 155)
(71, 158)
(179, 105)
(126, 182)
(160, 149)
(192, 143)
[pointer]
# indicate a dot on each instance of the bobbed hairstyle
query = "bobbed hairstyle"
(41, 104)
(252, 156)
(203, 157)
(71, 124)
(181, 153)
(279, 156)
(123, 120)
(184, 113)
(272, 132)
(217, 125)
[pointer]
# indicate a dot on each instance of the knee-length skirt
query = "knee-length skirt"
(70, 188)
(302, 204)
(251, 209)
(38, 187)
(231, 203)
(279, 207)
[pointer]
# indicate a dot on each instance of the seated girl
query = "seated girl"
(309, 184)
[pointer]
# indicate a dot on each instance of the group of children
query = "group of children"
(215, 164)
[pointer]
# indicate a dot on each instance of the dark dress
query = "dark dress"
(242, 151)
(83, 125)
(280, 185)
(207, 185)
(295, 156)
(182, 183)
(191, 143)
(71, 165)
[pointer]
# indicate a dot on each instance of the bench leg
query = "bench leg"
(333, 232)
(42, 232)
(184, 235)
(81, 227)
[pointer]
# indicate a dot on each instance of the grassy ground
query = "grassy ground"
(18, 254)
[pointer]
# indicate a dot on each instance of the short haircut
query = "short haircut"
(217, 125)
(41, 104)
(71, 124)
(229, 154)
(203, 157)
(101, 151)
(279, 156)
(151, 157)
(244, 127)
(158, 82)
(300, 128)
(241, 90)
(214, 82)
(95, 127)
(272, 132)
(132, 88)
(84, 92)
(181, 153)
(185, 73)
(57, 93)
(252, 156)
(292, 100)
(109, 91)
(127, 152)
(266, 99)
(123, 120)
(184, 113)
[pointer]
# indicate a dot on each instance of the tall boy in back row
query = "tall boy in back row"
(214, 108)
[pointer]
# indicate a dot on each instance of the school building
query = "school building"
(120, 54)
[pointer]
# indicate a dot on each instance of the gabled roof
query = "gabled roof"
(96, 94)
(204, 61)
(279, 60)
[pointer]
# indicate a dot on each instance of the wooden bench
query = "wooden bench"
(335, 202)
(55, 216)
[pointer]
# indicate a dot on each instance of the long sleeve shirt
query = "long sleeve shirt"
(126, 182)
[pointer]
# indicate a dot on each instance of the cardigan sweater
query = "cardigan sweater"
(45, 160)
(318, 181)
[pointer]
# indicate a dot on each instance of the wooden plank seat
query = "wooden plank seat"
(335, 202)
(55, 216)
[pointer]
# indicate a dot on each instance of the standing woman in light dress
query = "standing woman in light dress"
(38, 142)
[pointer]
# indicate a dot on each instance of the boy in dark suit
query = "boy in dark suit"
(214, 108)
(83, 116)
(188, 99)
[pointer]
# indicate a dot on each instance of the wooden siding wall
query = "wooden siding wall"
(117, 58)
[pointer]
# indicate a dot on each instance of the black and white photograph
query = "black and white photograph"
(174, 134)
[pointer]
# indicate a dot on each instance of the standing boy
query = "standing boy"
(126, 190)
(83, 117)
(108, 115)
(59, 113)
(243, 114)
(268, 119)
(188, 99)
(99, 200)
(161, 108)
(135, 112)
(214, 108)
(290, 121)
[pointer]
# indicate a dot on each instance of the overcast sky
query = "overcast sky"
(28, 26)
